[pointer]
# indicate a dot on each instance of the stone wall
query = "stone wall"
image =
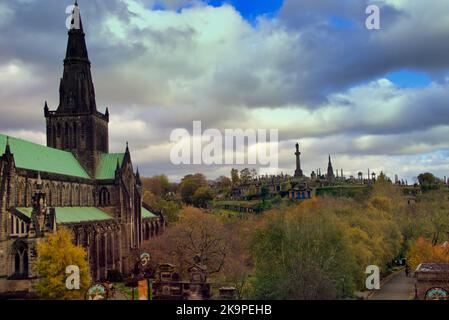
(429, 280)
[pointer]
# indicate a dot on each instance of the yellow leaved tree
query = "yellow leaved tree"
(423, 251)
(55, 254)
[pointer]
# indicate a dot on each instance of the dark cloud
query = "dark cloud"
(338, 58)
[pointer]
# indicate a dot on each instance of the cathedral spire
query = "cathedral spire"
(330, 170)
(76, 47)
(77, 126)
(76, 90)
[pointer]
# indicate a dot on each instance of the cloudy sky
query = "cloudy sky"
(375, 99)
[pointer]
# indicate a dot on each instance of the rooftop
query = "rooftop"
(32, 156)
(81, 214)
(433, 267)
(147, 214)
(108, 164)
(73, 214)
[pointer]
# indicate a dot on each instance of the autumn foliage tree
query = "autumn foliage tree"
(156, 193)
(423, 251)
(302, 255)
(320, 249)
(202, 197)
(317, 249)
(189, 185)
(158, 185)
(221, 243)
(235, 177)
(55, 254)
(195, 234)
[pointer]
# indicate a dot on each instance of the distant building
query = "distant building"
(301, 193)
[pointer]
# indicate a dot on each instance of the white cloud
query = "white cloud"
(203, 56)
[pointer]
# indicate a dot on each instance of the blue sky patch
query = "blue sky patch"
(250, 11)
(409, 79)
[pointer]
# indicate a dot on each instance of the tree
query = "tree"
(245, 175)
(382, 179)
(202, 197)
(149, 198)
(235, 177)
(238, 265)
(320, 248)
(286, 186)
(189, 185)
(251, 192)
(302, 256)
(223, 182)
(195, 234)
(427, 179)
(253, 173)
(223, 243)
(428, 218)
(55, 254)
(158, 185)
(170, 210)
(264, 192)
(423, 251)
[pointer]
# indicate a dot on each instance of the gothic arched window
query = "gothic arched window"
(20, 252)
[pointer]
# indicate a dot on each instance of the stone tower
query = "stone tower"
(76, 125)
(298, 171)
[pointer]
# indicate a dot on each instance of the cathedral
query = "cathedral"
(73, 182)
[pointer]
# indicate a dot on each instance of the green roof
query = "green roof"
(73, 214)
(147, 214)
(81, 214)
(31, 156)
(108, 165)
